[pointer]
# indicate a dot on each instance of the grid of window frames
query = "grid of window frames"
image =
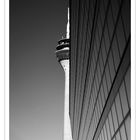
(99, 54)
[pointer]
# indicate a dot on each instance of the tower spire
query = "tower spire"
(68, 26)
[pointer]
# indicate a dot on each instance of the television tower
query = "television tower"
(62, 54)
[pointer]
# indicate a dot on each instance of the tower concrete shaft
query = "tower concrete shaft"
(67, 126)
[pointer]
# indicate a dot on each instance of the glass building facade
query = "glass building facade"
(100, 69)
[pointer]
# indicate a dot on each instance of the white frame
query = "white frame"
(135, 69)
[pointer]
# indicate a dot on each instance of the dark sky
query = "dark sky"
(36, 78)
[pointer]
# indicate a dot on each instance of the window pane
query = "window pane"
(105, 87)
(114, 117)
(102, 134)
(108, 129)
(127, 83)
(118, 136)
(128, 127)
(111, 66)
(123, 134)
(115, 51)
(123, 99)
(111, 124)
(118, 107)
(105, 134)
(120, 36)
(102, 96)
(108, 78)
